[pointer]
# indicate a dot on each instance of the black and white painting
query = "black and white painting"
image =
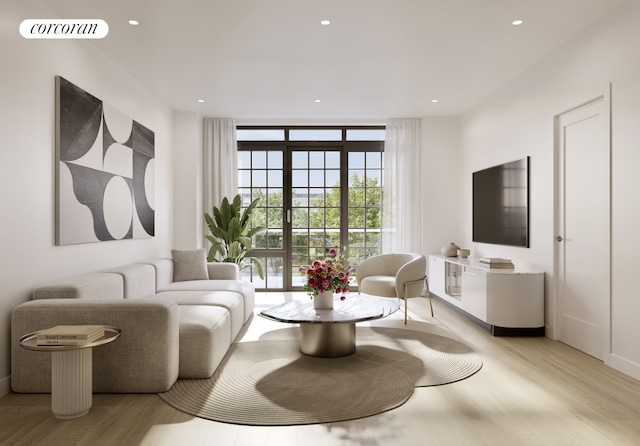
(105, 170)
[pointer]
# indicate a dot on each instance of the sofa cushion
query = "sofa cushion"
(164, 271)
(246, 289)
(229, 300)
(83, 286)
(384, 286)
(204, 339)
(223, 271)
(215, 270)
(189, 264)
(139, 280)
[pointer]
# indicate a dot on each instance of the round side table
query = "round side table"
(71, 373)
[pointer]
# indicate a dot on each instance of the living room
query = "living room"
(511, 122)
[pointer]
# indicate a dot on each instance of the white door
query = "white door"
(583, 227)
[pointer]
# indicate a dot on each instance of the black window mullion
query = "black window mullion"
(287, 205)
(344, 195)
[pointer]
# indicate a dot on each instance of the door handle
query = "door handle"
(559, 238)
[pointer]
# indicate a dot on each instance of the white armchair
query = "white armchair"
(401, 275)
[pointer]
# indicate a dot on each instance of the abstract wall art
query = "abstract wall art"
(105, 163)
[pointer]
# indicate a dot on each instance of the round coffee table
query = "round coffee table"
(71, 373)
(331, 333)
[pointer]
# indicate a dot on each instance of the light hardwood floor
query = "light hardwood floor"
(530, 391)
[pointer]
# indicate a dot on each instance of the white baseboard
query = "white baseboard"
(623, 365)
(5, 386)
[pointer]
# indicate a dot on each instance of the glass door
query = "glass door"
(314, 215)
(318, 189)
(261, 175)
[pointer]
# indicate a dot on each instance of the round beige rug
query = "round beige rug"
(269, 382)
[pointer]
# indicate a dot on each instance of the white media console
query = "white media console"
(508, 302)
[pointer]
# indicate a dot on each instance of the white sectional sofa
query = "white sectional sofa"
(178, 318)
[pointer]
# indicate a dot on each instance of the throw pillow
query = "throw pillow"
(189, 264)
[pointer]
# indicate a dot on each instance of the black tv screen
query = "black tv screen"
(501, 204)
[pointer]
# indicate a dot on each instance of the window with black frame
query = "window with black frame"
(319, 188)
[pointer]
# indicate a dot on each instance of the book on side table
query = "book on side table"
(70, 335)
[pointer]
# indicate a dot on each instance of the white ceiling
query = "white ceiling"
(270, 59)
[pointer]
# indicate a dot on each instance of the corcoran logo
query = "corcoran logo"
(64, 29)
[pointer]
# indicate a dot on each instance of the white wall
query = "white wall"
(518, 121)
(187, 190)
(27, 178)
(440, 182)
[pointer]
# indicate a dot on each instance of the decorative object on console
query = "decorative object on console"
(451, 250)
(104, 171)
(463, 253)
(232, 234)
(331, 275)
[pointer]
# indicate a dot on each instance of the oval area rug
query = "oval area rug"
(270, 383)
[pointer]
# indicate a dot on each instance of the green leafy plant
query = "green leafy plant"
(231, 234)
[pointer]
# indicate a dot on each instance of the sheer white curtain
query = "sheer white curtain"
(403, 196)
(220, 161)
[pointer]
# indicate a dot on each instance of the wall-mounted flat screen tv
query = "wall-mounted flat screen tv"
(501, 204)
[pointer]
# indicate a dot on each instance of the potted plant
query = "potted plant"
(231, 234)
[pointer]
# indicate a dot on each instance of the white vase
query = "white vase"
(323, 300)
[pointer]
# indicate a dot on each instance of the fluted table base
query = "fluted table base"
(71, 383)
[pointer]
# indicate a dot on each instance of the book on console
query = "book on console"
(70, 334)
(495, 261)
(502, 266)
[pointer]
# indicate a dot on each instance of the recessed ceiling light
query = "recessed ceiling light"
(434, 100)
(325, 22)
(318, 100)
(133, 22)
(200, 100)
(517, 22)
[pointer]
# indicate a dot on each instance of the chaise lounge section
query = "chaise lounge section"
(178, 318)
